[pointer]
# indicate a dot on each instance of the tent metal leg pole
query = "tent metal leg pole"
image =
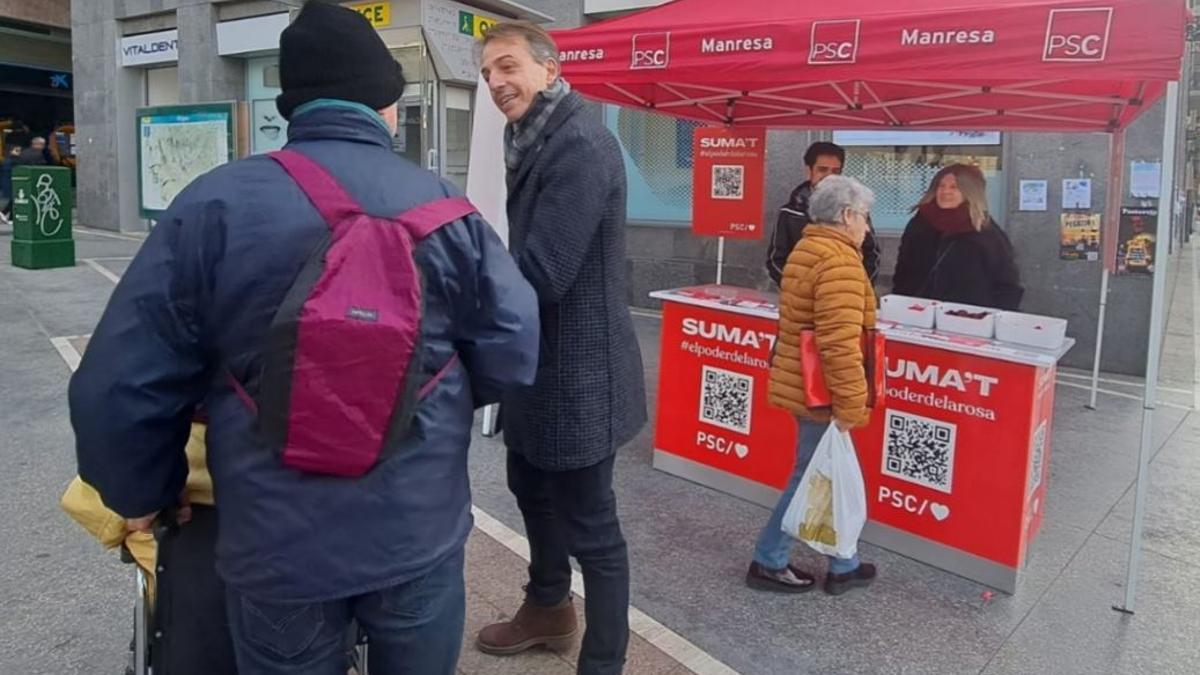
(1099, 338)
(490, 419)
(1166, 203)
(1116, 175)
(720, 258)
(141, 625)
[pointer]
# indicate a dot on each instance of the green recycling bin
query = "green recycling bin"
(42, 205)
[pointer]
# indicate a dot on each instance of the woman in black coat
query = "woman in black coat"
(953, 251)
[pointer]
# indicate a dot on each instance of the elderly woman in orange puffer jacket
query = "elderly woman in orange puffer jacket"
(825, 289)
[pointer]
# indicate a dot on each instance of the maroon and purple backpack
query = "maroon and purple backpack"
(342, 374)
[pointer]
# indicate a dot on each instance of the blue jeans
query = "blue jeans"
(415, 628)
(774, 547)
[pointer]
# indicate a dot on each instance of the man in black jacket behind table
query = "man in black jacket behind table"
(822, 159)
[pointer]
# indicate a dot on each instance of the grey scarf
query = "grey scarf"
(520, 136)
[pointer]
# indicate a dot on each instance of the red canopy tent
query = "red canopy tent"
(1081, 65)
(1013, 65)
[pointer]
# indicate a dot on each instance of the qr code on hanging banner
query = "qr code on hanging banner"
(919, 450)
(1038, 452)
(725, 399)
(728, 181)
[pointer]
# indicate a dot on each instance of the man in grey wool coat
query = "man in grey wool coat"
(566, 212)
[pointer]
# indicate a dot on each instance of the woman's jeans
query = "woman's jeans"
(774, 547)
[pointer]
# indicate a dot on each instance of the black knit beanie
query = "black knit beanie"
(334, 52)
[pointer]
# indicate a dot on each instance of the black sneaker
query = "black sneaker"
(786, 580)
(836, 584)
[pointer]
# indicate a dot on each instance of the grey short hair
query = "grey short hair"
(541, 45)
(833, 195)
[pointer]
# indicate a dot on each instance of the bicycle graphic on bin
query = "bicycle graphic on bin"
(46, 201)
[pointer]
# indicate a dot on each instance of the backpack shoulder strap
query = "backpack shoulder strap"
(422, 221)
(322, 189)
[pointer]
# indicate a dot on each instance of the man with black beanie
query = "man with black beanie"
(197, 318)
(333, 53)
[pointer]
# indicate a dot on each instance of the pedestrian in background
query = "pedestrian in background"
(825, 289)
(35, 154)
(7, 164)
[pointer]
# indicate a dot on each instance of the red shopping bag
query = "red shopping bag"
(816, 394)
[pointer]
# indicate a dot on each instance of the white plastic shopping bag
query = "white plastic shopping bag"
(829, 508)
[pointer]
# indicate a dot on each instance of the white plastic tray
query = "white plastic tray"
(908, 311)
(984, 327)
(1044, 332)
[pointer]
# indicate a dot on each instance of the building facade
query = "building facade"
(36, 83)
(133, 54)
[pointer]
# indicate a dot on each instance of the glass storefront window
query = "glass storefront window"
(658, 163)
(899, 175)
(415, 135)
(407, 141)
(268, 128)
(458, 146)
(270, 75)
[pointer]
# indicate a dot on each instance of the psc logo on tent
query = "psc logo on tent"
(1079, 35)
(650, 51)
(834, 42)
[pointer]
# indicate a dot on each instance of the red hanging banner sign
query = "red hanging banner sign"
(727, 182)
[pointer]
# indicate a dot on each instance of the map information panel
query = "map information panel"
(176, 145)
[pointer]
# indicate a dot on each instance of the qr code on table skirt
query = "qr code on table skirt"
(725, 399)
(727, 181)
(1038, 453)
(919, 450)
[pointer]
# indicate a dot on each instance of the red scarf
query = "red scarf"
(948, 221)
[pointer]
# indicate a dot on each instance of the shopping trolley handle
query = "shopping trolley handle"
(166, 523)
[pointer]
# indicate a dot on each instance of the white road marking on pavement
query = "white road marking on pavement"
(1137, 384)
(104, 271)
(666, 640)
(646, 313)
(67, 351)
(1119, 394)
(1195, 324)
(109, 235)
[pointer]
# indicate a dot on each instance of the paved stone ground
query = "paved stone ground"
(68, 603)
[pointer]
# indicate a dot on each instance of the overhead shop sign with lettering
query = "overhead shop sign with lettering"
(472, 24)
(51, 81)
(378, 13)
(150, 48)
(453, 31)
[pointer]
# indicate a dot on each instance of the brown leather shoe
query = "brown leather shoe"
(531, 627)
